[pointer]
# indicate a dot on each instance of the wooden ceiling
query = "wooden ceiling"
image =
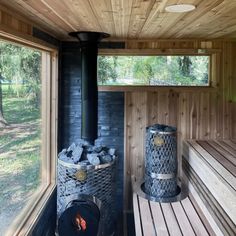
(133, 19)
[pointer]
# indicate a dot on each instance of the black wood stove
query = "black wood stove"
(83, 184)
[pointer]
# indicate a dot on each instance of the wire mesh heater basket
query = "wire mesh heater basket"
(97, 181)
(161, 161)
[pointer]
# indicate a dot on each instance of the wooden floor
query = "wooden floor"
(178, 218)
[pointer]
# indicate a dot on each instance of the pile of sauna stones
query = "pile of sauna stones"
(84, 153)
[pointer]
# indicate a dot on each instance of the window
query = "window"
(25, 131)
(154, 70)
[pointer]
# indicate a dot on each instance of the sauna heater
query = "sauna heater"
(86, 181)
(161, 161)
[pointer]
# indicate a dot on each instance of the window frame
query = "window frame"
(24, 223)
(212, 53)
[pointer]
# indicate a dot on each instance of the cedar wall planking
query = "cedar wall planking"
(233, 94)
(208, 113)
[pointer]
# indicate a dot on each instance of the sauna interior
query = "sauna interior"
(46, 107)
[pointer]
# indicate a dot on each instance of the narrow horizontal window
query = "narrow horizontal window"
(154, 70)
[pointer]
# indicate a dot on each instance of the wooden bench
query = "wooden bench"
(210, 209)
(210, 167)
(177, 218)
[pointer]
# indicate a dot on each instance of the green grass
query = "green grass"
(20, 144)
(19, 110)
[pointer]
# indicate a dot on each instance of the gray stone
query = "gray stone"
(88, 148)
(82, 143)
(106, 159)
(93, 159)
(62, 157)
(112, 151)
(102, 153)
(71, 147)
(97, 148)
(66, 159)
(76, 154)
(63, 152)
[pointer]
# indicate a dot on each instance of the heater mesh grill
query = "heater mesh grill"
(161, 161)
(98, 182)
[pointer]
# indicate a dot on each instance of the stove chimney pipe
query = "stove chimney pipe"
(89, 51)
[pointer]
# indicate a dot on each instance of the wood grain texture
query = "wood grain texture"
(146, 218)
(158, 217)
(215, 210)
(182, 219)
(178, 218)
(137, 220)
(193, 217)
(212, 180)
(171, 221)
(145, 19)
(202, 209)
(197, 114)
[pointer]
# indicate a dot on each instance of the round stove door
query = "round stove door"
(80, 219)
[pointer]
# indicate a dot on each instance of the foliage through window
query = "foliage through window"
(20, 129)
(154, 70)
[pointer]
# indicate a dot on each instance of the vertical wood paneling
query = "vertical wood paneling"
(162, 108)
(208, 114)
(173, 108)
(213, 115)
(152, 99)
(194, 118)
(136, 110)
(233, 95)
(227, 58)
(204, 116)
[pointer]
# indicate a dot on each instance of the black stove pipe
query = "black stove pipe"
(89, 51)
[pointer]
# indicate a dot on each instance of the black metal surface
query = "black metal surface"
(89, 50)
(88, 211)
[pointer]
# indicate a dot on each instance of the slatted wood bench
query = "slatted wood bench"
(177, 218)
(210, 209)
(210, 167)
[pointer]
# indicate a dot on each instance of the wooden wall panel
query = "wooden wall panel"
(17, 28)
(233, 95)
(198, 114)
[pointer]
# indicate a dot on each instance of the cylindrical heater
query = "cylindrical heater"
(96, 181)
(81, 218)
(161, 161)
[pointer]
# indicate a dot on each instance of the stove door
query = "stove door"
(80, 219)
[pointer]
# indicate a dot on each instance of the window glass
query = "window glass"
(153, 70)
(20, 129)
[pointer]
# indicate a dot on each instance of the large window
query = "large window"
(25, 128)
(154, 70)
